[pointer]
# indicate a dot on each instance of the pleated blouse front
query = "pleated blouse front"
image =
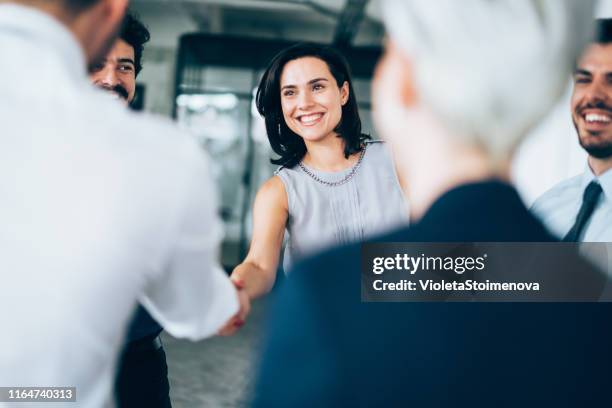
(320, 215)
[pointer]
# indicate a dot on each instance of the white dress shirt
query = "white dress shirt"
(99, 208)
(559, 206)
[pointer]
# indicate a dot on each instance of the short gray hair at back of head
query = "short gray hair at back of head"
(490, 69)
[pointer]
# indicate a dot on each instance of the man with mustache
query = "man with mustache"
(142, 379)
(118, 71)
(580, 209)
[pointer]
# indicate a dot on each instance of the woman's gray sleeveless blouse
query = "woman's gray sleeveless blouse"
(320, 215)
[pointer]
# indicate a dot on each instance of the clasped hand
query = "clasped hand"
(237, 321)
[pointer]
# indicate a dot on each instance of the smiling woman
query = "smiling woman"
(312, 104)
(334, 185)
(307, 93)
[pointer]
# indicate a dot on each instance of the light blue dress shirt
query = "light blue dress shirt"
(558, 207)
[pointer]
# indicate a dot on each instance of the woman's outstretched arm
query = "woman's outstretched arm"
(257, 273)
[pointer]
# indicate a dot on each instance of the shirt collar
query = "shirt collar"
(605, 180)
(43, 28)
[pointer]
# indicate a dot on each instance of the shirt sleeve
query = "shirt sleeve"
(193, 297)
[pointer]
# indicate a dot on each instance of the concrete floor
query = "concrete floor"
(217, 372)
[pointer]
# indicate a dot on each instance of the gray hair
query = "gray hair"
(490, 69)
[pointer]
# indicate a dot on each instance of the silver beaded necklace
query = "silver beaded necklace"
(339, 182)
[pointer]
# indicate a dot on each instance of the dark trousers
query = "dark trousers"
(142, 380)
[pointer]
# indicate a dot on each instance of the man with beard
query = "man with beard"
(142, 379)
(118, 71)
(101, 209)
(580, 209)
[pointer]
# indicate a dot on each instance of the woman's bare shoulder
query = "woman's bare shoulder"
(273, 192)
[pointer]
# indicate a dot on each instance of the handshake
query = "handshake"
(252, 280)
(238, 320)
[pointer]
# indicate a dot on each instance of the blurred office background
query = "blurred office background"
(202, 66)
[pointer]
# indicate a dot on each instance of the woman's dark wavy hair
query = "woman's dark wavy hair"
(287, 144)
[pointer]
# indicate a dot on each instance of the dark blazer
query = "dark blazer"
(326, 348)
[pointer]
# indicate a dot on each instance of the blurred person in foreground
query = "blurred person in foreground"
(459, 85)
(580, 209)
(142, 379)
(100, 208)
